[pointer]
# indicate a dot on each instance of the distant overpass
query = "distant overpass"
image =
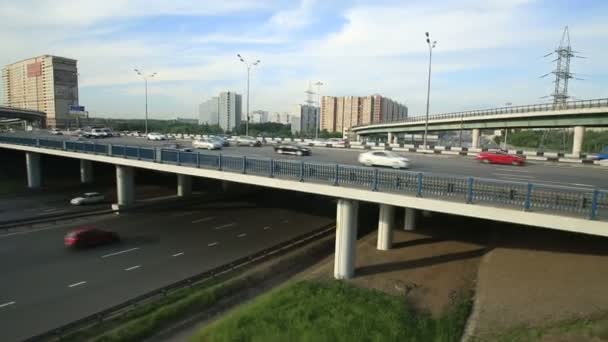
(577, 114)
(8, 112)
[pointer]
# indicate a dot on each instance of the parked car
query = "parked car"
(88, 198)
(208, 144)
(56, 131)
(500, 157)
(247, 141)
(292, 149)
(88, 236)
(384, 158)
(156, 136)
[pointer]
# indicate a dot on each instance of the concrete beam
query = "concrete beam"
(346, 238)
(386, 221)
(125, 187)
(577, 143)
(32, 162)
(475, 135)
(86, 171)
(184, 185)
(409, 222)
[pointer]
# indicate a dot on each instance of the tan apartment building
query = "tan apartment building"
(44, 83)
(340, 113)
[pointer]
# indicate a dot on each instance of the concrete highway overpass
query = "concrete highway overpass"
(33, 116)
(577, 114)
(539, 205)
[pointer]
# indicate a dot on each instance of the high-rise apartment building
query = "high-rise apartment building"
(209, 112)
(340, 113)
(44, 83)
(304, 119)
(230, 110)
(259, 116)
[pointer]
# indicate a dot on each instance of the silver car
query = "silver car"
(88, 198)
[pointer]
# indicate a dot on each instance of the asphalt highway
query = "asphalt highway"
(44, 285)
(548, 173)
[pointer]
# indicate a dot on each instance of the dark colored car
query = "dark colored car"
(500, 158)
(292, 149)
(87, 237)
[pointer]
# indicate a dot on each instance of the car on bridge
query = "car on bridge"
(208, 144)
(56, 131)
(602, 155)
(88, 198)
(220, 139)
(292, 149)
(156, 137)
(179, 147)
(248, 141)
(500, 157)
(384, 158)
(88, 236)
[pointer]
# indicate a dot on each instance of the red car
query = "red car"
(87, 236)
(500, 158)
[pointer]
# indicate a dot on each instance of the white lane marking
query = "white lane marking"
(212, 244)
(267, 227)
(241, 235)
(579, 184)
(225, 226)
(183, 214)
(77, 284)
(511, 170)
(50, 209)
(204, 219)
(6, 304)
(132, 268)
(121, 252)
(178, 254)
(511, 175)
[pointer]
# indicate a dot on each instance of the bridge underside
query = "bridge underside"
(589, 120)
(37, 118)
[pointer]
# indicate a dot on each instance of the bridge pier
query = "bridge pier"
(32, 162)
(475, 134)
(409, 222)
(86, 171)
(125, 188)
(577, 143)
(390, 137)
(346, 238)
(184, 185)
(386, 222)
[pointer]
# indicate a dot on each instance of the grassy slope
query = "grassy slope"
(333, 311)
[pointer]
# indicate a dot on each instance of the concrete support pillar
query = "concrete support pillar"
(410, 219)
(184, 185)
(346, 237)
(32, 162)
(386, 221)
(390, 137)
(86, 171)
(358, 137)
(475, 134)
(577, 143)
(125, 188)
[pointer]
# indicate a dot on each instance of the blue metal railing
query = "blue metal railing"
(590, 203)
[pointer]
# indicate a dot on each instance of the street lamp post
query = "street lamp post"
(318, 116)
(428, 89)
(248, 72)
(145, 77)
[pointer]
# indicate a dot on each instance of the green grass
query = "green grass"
(334, 311)
(595, 329)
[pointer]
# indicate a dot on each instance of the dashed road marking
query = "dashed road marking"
(267, 227)
(121, 252)
(512, 170)
(212, 244)
(178, 254)
(132, 268)
(204, 219)
(7, 304)
(511, 175)
(49, 210)
(241, 235)
(77, 284)
(225, 226)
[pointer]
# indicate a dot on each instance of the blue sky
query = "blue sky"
(488, 53)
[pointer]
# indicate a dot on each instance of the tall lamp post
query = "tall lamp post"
(318, 116)
(428, 89)
(248, 72)
(145, 77)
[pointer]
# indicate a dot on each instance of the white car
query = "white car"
(247, 141)
(207, 144)
(156, 136)
(88, 198)
(319, 142)
(384, 158)
(56, 131)
(336, 142)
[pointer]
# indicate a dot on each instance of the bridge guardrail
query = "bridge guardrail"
(543, 107)
(581, 202)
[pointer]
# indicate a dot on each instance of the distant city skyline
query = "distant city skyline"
(348, 45)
